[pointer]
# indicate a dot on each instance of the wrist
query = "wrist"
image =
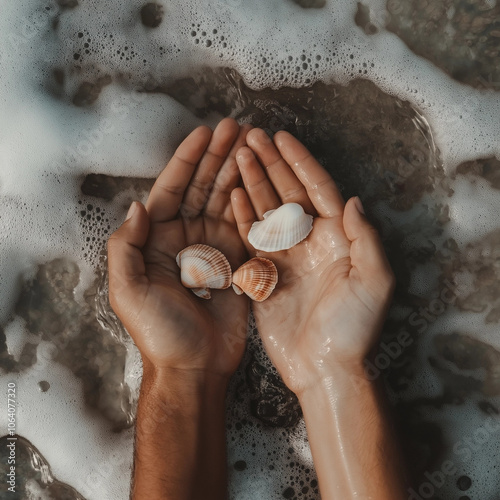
(338, 410)
(191, 393)
(180, 435)
(337, 382)
(187, 378)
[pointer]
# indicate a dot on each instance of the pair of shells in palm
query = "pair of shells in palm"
(204, 267)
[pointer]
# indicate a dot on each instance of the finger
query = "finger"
(320, 187)
(285, 182)
(125, 259)
(227, 179)
(257, 184)
(201, 183)
(244, 215)
(367, 252)
(168, 190)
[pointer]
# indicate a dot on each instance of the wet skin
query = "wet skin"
(322, 320)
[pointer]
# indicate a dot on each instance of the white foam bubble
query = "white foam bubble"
(473, 210)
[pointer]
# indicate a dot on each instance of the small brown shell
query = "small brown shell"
(203, 267)
(257, 278)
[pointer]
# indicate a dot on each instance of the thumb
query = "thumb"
(367, 252)
(125, 260)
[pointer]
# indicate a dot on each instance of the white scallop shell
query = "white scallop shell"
(281, 229)
(203, 267)
(257, 278)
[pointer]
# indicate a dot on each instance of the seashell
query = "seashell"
(203, 267)
(281, 229)
(203, 293)
(257, 278)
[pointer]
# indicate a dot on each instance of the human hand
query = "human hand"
(174, 329)
(334, 287)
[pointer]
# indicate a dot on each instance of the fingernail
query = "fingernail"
(359, 205)
(131, 211)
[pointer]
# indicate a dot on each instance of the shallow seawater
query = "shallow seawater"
(399, 101)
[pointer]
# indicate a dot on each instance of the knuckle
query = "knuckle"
(170, 189)
(293, 193)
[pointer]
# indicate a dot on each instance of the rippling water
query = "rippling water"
(399, 101)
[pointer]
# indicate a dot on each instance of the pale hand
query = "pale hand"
(334, 287)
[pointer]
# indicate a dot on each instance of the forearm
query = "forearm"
(180, 438)
(353, 447)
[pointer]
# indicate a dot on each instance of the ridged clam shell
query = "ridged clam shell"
(281, 229)
(203, 267)
(257, 278)
(203, 293)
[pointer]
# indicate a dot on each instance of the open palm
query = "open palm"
(189, 203)
(334, 287)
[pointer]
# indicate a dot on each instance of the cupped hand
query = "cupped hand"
(334, 287)
(189, 203)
